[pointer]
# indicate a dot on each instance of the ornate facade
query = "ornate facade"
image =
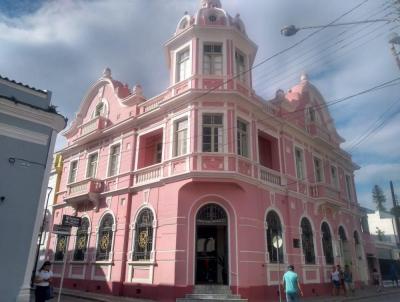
(206, 183)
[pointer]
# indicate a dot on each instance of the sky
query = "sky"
(63, 46)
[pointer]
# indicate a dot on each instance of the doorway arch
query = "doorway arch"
(211, 245)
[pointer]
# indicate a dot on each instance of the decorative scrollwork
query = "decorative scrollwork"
(105, 241)
(143, 239)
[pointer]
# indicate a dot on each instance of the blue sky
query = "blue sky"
(64, 45)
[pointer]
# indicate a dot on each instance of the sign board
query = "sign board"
(61, 229)
(72, 221)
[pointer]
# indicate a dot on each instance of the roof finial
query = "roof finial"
(210, 3)
(107, 73)
(304, 77)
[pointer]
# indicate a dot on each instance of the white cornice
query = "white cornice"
(17, 86)
(33, 115)
(23, 134)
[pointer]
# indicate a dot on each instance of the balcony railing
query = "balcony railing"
(84, 187)
(269, 176)
(148, 175)
(324, 191)
(93, 125)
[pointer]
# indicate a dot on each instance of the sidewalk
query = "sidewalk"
(360, 295)
(95, 297)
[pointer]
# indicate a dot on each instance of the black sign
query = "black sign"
(72, 221)
(61, 229)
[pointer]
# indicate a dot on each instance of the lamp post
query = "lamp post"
(277, 243)
(291, 30)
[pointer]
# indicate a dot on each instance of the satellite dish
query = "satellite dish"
(277, 241)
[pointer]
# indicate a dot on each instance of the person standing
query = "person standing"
(291, 285)
(393, 274)
(335, 278)
(376, 279)
(348, 280)
(43, 278)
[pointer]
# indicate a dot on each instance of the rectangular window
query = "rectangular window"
(73, 168)
(114, 159)
(348, 187)
(240, 66)
(158, 153)
(212, 132)
(318, 170)
(180, 137)
(183, 65)
(212, 59)
(242, 138)
(299, 163)
(92, 165)
(334, 178)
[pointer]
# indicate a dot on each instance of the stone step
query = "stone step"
(211, 300)
(210, 296)
(212, 289)
(209, 293)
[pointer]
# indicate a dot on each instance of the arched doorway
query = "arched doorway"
(212, 245)
(345, 249)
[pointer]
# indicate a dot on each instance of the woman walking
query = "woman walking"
(43, 290)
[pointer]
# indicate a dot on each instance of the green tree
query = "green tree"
(379, 198)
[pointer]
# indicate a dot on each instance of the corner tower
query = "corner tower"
(211, 49)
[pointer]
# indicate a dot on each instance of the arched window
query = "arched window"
(274, 238)
(356, 238)
(342, 234)
(61, 247)
(327, 243)
(143, 235)
(82, 235)
(105, 238)
(307, 241)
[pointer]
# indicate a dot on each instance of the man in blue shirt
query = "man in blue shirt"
(291, 285)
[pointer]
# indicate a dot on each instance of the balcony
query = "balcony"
(269, 176)
(148, 175)
(91, 128)
(325, 194)
(84, 191)
(318, 132)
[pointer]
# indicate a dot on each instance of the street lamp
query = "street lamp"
(291, 30)
(277, 243)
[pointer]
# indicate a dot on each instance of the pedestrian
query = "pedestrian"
(348, 279)
(291, 285)
(341, 277)
(335, 278)
(376, 279)
(393, 274)
(43, 280)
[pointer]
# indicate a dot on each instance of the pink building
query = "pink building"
(197, 185)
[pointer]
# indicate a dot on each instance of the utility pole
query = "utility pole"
(394, 38)
(395, 204)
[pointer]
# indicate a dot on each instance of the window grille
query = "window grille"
(81, 240)
(274, 230)
(105, 237)
(61, 247)
(212, 59)
(143, 236)
(327, 243)
(212, 133)
(211, 214)
(307, 241)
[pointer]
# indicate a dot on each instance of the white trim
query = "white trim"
(145, 132)
(23, 134)
(314, 243)
(322, 166)
(174, 121)
(119, 142)
(114, 229)
(36, 116)
(205, 110)
(303, 155)
(69, 170)
(87, 163)
(174, 61)
(285, 244)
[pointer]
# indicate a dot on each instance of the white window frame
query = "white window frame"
(303, 169)
(69, 172)
(146, 131)
(348, 187)
(87, 164)
(239, 135)
(109, 158)
(176, 150)
(221, 147)
(334, 182)
(187, 66)
(212, 69)
(103, 112)
(240, 75)
(321, 167)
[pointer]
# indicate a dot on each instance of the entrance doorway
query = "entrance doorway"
(212, 245)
